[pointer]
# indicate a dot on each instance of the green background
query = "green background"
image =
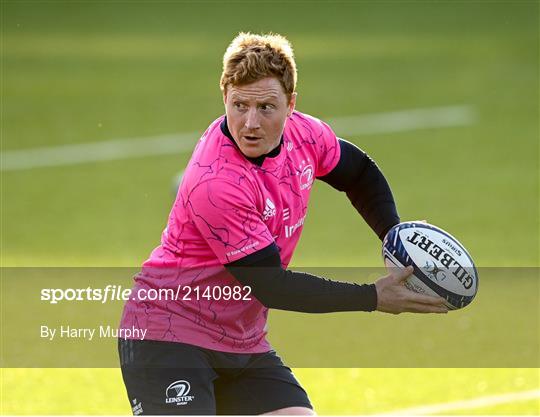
(78, 72)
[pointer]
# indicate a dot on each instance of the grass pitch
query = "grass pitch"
(84, 72)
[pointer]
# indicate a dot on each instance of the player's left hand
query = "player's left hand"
(393, 297)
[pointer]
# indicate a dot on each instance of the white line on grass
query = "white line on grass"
(404, 120)
(368, 124)
(97, 151)
(467, 404)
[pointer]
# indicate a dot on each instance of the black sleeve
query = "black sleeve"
(282, 289)
(361, 179)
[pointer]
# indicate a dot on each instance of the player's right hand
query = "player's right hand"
(393, 297)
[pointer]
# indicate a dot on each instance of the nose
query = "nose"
(252, 120)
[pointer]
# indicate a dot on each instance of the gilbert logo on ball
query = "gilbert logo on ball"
(442, 266)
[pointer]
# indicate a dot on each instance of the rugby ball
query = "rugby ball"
(442, 266)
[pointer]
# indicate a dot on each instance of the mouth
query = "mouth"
(252, 139)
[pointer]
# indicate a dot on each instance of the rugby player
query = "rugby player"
(236, 221)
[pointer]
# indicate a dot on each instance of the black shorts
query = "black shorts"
(176, 378)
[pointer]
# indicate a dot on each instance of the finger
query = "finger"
(401, 274)
(389, 264)
(425, 309)
(426, 299)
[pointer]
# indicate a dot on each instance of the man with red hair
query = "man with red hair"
(231, 233)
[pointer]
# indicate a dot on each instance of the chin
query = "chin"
(252, 153)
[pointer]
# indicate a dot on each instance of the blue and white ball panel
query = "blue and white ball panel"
(442, 266)
(412, 283)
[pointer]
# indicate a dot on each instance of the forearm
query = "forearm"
(282, 289)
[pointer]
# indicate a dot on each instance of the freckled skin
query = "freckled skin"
(256, 115)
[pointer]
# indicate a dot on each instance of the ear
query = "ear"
(292, 105)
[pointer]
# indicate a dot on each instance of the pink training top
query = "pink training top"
(228, 207)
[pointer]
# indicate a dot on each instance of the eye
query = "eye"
(266, 107)
(239, 106)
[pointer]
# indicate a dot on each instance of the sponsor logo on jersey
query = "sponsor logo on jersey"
(289, 230)
(177, 393)
(269, 209)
